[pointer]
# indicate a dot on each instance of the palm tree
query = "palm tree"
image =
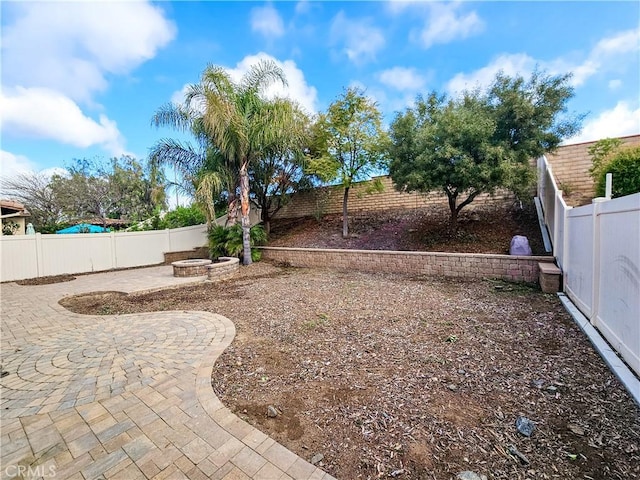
(203, 168)
(240, 122)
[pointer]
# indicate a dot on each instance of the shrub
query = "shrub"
(624, 164)
(182, 217)
(227, 241)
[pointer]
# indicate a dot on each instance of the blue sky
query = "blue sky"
(82, 79)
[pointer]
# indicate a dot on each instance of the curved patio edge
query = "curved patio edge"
(124, 396)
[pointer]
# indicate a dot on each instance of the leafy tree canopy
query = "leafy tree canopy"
(349, 143)
(122, 189)
(482, 140)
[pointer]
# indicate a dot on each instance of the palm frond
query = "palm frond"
(175, 116)
(179, 155)
(209, 184)
(262, 75)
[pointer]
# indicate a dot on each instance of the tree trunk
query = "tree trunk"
(453, 218)
(265, 216)
(246, 221)
(232, 210)
(345, 217)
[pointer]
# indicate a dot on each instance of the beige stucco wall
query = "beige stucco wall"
(22, 224)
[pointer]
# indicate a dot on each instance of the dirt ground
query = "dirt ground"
(480, 230)
(390, 376)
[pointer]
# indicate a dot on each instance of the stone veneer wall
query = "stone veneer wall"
(460, 265)
(571, 164)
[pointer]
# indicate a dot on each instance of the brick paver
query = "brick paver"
(122, 396)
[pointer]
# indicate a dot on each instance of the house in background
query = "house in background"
(13, 217)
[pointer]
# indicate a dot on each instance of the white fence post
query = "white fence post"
(39, 255)
(595, 258)
(114, 255)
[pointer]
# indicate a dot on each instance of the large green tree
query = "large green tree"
(349, 144)
(121, 189)
(482, 140)
(279, 172)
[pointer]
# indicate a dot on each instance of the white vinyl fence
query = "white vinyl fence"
(598, 248)
(30, 256)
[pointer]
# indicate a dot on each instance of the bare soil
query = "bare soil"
(483, 229)
(410, 377)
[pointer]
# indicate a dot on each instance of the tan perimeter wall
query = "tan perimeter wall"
(328, 200)
(459, 265)
(570, 165)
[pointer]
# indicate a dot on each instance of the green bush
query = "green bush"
(182, 217)
(227, 241)
(624, 164)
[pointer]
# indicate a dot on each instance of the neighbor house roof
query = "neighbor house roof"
(11, 208)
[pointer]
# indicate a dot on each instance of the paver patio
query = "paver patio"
(122, 397)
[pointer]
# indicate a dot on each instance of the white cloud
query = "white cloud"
(303, 7)
(361, 40)
(57, 118)
(71, 48)
(607, 55)
(267, 21)
(509, 64)
(619, 121)
(402, 78)
(446, 24)
(615, 84)
(12, 165)
(297, 89)
(57, 57)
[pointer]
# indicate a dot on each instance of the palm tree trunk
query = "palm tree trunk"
(232, 209)
(345, 218)
(246, 221)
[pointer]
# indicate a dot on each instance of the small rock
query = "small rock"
(552, 389)
(452, 387)
(525, 426)
(461, 371)
(577, 429)
(469, 475)
(537, 383)
(516, 453)
(316, 458)
(272, 412)
(396, 473)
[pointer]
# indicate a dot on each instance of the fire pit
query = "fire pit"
(196, 267)
(222, 269)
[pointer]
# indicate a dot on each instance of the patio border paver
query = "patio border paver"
(122, 396)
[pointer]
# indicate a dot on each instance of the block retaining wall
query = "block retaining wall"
(328, 200)
(199, 252)
(459, 265)
(571, 164)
